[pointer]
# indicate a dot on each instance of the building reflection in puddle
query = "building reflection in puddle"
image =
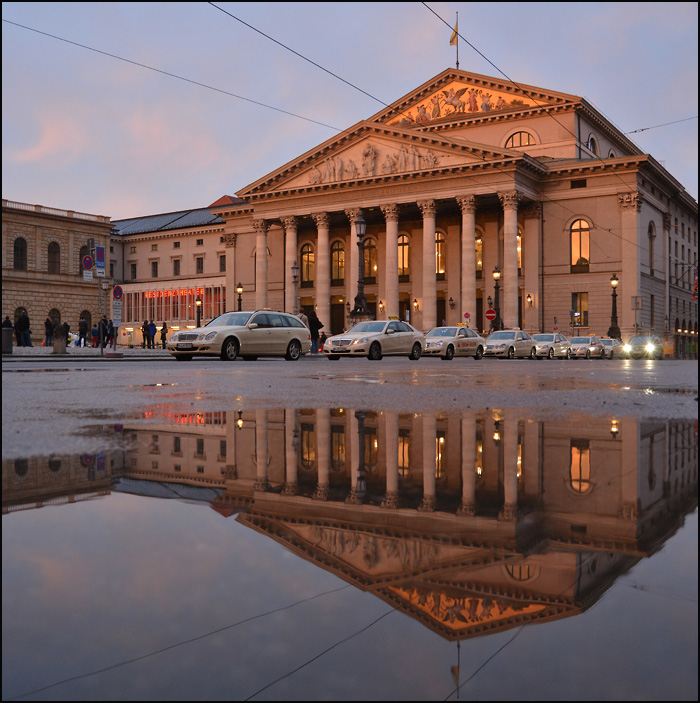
(470, 523)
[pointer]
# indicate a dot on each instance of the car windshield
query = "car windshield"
(607, 342)
(543, 337)
(580, 340)
(641, 340)
(230, 319)
(502, 335)
(365, 327)
(442, 332)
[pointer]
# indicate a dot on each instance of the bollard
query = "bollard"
(7, 341)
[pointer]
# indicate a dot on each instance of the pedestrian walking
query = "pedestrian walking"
(164, 334)
(48, 332)
(315, 326)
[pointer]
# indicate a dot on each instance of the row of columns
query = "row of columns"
(467, 203)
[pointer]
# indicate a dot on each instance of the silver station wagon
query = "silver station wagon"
(245, 334)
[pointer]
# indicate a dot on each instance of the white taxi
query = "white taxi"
(375, 339)
(448, 342)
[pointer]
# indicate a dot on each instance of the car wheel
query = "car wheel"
(511, 352)
(183, 357)
(533, 353)
(415, 352)
(293, 351)
(588, 353)
(568, 353)
(479, 353)
(375, 352)
(550, 353)
(449, 354)
(229, 349)
(612, 354)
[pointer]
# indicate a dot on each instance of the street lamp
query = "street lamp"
(360, 310)
(614, 330)
(295, 282)
(198, 304)
(497, 323)
(239, 290)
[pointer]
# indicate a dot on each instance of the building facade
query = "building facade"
(42, 265)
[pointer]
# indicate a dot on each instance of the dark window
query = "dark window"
(154, 269)
(578, 183)
(176, 267)
(54, 258)
(222, 263)
(200, 264)
(20, 254)
(133, 272)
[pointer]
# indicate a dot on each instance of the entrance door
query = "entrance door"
(337, 319)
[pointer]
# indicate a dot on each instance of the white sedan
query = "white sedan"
(375, 339)
(448, 342)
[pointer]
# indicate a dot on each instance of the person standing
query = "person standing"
(95, 335)
(152, 330)
(82, 332)
(164, 334)
(303, 318)
(110, 334)
(103, 331)
(24, 336)
(145, 331)
(48, 332)
(315, 326)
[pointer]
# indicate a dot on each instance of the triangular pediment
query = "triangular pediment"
(456, 95)
(375, 151)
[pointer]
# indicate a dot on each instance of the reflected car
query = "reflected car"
(552, 346)
(644, 347)
(612, 347)
(448, 342)
(245, 334)
(508, 344)
(589, 347)
(375, 339)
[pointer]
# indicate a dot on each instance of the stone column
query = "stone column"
(510, 471)
(261, 482)
(391, 265)
(468, 506)
(391, 499)
(667, 275)
(531, 258)
(291, 226)
(231, 471)
(323, 269)
(352, 262)
(630, 207)
(429, 434)
(260, 227)
(357, 473)
(509, 302)
(323, 452)
(468, 301)
(429, 306)
(231, 282)
(291, 437)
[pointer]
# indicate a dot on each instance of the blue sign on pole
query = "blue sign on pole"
(100, 261)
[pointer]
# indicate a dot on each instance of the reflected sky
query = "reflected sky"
(282, 562)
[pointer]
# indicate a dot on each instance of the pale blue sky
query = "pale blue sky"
(88, 132)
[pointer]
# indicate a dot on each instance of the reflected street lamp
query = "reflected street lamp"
(497, 323)
(614, 330)
(239, 290)
(198, 304)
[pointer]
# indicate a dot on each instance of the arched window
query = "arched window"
(652, 235)
(54, 258)
(519, 139)
(20, 258)
(55, 315)
(520, 251)
(307, 266)
(479, 242)
(404, 261)
(440, 256)
(593, 145)
(370, 261)
(580, 465)
(84, 251)
(580, 242)
(337, 264)
(440, 458)
(87, 316)
(611, 154)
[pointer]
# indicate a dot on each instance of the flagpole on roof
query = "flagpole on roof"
(454, 39)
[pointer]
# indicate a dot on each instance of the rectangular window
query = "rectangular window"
(337, 447)
(200, 447)
(579, 307)
(200, 242)
(222, 263)
(154, 247)
(308, 445)
(404, 452)
(111, 269)
(177, 447)
(176, 245)
(132, 250)
(176, 267)
(578, 183)
(133, 272)
(154, 269)
(222, 448)
(200, 264)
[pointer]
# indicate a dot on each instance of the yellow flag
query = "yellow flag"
(453, 38)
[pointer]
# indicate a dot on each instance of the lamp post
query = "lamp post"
(497, 323)
(198, 305)
(614, 330)
(295, 282)
(360, 311)
(239, 290)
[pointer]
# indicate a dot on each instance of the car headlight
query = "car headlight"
(362, 340)
(627, 348)
(174, 338)
(500, 346)
(650, 347)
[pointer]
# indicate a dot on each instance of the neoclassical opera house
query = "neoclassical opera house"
(476, 194)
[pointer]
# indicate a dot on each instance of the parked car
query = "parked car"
(375, 339)
(552, 346)
(589, 347)
(612, 347)
(644, 347)
(508, 344)
(248, 334)
(448, 342)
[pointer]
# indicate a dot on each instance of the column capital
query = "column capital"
(509, 200)
(467, 203)
(260, 226)
(531, 211)
(321, 219)
(667, 222)
(352, 214)
(230, 239)
(391, 212)
(427, 207)
(290, 222)
(391, 500)
(630, 201)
